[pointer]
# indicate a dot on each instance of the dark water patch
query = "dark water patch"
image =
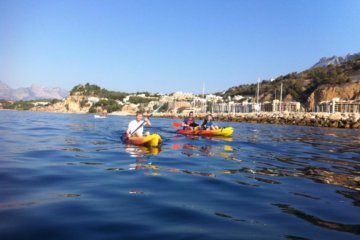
(305, 195)
(69, 195)
(41, 130)
(115, 169)
(353, 195)
(17, 204)
(72, 149)
(291, 237)
(227, 216)
(247, 184)
(351, 228)
(264, 180)
(91, 163)
(329, 177)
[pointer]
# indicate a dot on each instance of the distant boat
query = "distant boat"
(99, 116)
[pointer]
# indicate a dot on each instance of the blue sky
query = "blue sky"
(169, 45)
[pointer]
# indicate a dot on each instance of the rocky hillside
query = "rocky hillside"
(309, 87)
(72, 104)
(348, 91)
(90, 98)
(35, 92)
(87, 98)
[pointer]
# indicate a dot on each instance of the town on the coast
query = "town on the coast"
(325, 95)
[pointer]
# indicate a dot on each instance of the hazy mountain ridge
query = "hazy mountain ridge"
(334, 60)
(34, 92)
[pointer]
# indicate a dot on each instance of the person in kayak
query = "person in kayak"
(138, 124)
(208, 123)
(189, 122)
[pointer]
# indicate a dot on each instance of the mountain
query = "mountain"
(334, 60)
(5, 91)
(35, 92)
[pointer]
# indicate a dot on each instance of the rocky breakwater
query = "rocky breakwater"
(334, 120)
(72, 104)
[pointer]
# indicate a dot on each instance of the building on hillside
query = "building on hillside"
(183, 96)
(215, 104)
(41, 103)
(277, 106)
(213, 98)
(248, 106)
(175, 106)
(232, 107)
(337, 105)
(238, 98)
(93, 100)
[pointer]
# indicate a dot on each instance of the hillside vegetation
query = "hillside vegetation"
(110, 100)
(96, 91)
(299, 86)
(24, 105)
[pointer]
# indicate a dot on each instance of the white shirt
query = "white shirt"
(133, 125)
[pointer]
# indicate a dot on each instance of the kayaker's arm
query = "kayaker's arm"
(128, 133)
(184, 123)
(147, 122)
(203, 125)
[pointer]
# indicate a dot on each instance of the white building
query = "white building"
(93, 100)
(183, 96)
(213, 98)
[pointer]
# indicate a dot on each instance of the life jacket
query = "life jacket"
(189, 121)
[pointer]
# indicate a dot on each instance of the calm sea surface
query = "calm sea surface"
(66, 176)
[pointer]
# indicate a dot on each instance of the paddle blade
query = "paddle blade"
(176, 124)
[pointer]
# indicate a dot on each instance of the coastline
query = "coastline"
(332, 120)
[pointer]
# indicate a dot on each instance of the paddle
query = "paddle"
(176, 124)
(145, 121)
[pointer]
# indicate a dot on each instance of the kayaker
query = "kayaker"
(208, 123)
(134, 124)
(189, 122)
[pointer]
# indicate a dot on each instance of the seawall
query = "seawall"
(333, 120)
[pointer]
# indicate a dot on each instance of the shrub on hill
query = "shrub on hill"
(94, 90)
(110, 105)
(18, 105)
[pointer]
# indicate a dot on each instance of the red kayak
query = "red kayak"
(216, 132)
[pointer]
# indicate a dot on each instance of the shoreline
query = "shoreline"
(332, 120)
(312, 119)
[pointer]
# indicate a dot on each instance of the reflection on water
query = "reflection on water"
(320, 222)
(62, 172)
(135, 150)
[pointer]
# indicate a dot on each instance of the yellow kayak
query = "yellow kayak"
(153, 140)
(225, 132)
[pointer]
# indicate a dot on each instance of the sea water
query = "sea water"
(66, 176)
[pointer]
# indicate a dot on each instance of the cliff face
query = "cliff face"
(130, 109)
(70, 105)
(348, 91)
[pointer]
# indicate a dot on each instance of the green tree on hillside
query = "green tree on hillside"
(110, 105)
(94, 90)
